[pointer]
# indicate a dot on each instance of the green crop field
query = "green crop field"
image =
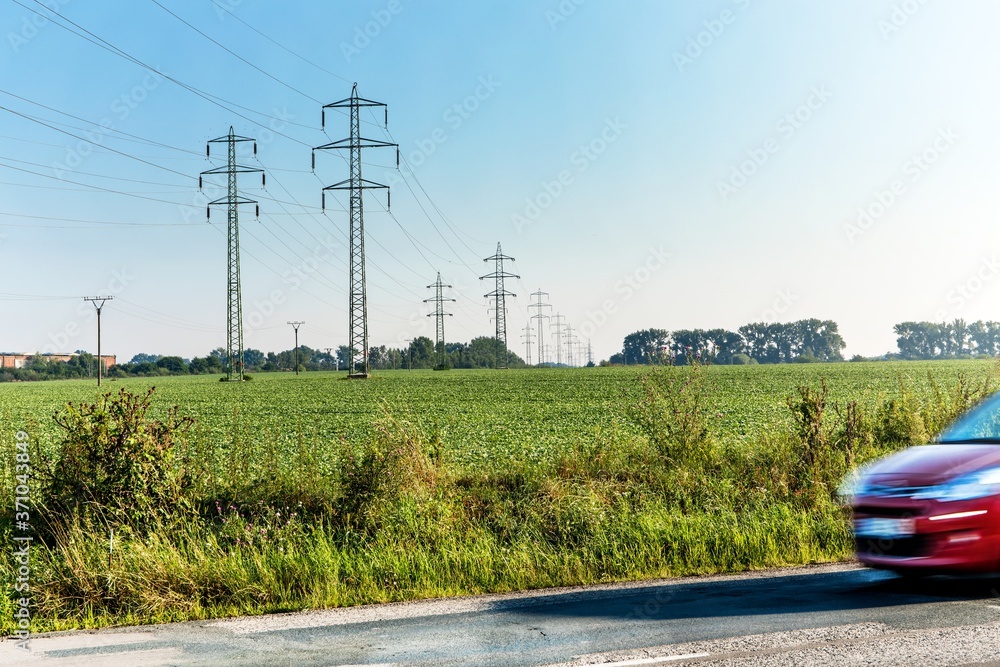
(503, 480)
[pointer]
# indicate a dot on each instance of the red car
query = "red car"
(934, 508)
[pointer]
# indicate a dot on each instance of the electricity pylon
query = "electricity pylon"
(557, 326)
(526, 336)
(590, 353)
(358, 300)
(439, 316)
(234, 307)
(499, 296)
(569, 345)
(540, 316)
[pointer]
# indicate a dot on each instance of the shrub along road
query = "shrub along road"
(830, 614)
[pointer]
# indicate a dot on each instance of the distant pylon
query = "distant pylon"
(499, 296)
(590, 353)
(540, 316)
(526, 336)
(569, 345)
(557, 333)
(439, 316)
(234, 309)
(358, 303)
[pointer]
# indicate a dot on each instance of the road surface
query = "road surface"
(823, 615)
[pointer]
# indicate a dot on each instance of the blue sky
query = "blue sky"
(648, 164)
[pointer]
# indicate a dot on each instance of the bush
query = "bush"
(674, 413)
(117, 463)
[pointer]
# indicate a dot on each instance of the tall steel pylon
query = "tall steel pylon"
(569, 345)
(499, 296)
(540, 316)
(234, 308)
(557, 332)
(358, 299)
(439, 316)
(526, 336)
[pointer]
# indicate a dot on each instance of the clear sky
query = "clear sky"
(648, 164)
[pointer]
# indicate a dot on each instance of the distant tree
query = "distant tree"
(172, 364)
(143, 358)
(646, 346)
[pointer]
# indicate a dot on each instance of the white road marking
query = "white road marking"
(653, 661)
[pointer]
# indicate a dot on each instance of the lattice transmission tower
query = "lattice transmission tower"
(358, 298)
(526, 337)
(234, 303)
(499, 296)
(540, 318)
(438, 300)
(557, 333)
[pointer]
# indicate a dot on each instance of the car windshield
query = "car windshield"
(980, 424)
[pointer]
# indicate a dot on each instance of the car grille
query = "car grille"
(907, 547)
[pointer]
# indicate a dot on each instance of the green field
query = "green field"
(510, 479)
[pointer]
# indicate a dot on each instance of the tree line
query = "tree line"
(761, 342)
(947, 340)
(482, 352)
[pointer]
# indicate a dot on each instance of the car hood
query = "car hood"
(933, 464)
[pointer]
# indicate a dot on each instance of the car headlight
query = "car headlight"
(973, 485)
(855, 484)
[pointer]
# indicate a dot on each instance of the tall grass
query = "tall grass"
(393, 518)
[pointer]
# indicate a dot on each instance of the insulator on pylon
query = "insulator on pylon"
(322, 121)
(208, 150)
(324, 202)
(387, 118)
(258, 211)
(208, 214)
(314, 160)
(263, 180)
(388, 200)
(255, 149)
(199, 181)
(397, 158)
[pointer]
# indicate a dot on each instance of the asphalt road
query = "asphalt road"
(836, 615)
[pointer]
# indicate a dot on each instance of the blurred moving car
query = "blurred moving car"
(933, 508)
